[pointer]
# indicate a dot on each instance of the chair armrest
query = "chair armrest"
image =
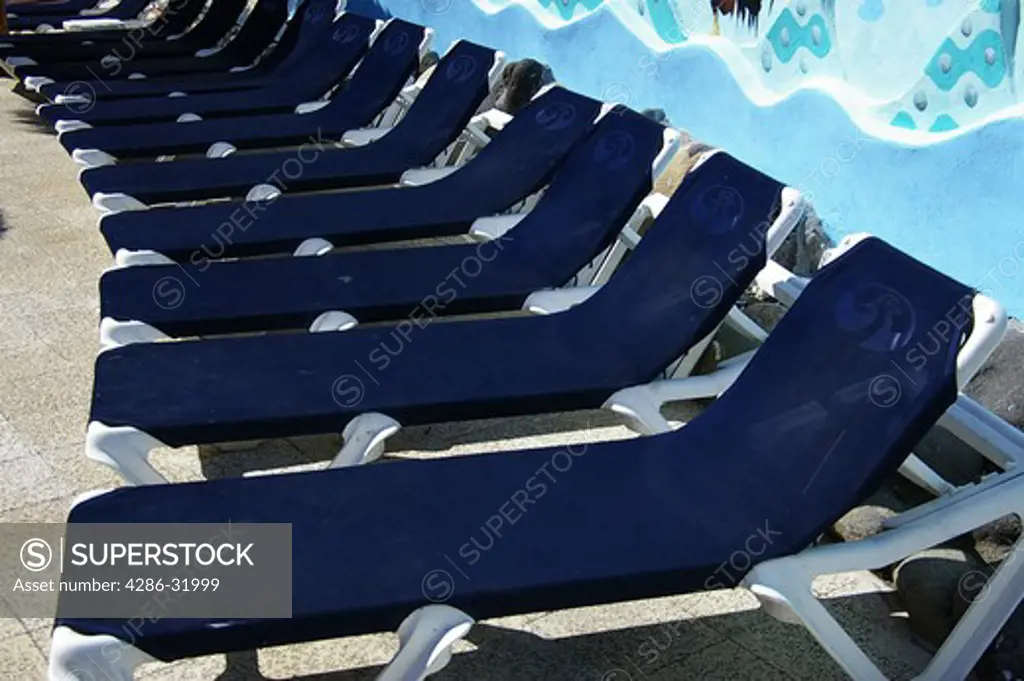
(494, 226)
(310, 107)
(418, 176)
(100, 23)
(558, 300)
(494, 118)
(476, 131)
(363, 136)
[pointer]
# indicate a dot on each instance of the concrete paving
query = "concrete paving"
(52, 256)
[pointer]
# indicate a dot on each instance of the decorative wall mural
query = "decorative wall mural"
(954, 69)
(968, 76)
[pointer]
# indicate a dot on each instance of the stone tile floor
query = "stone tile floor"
(51, 255)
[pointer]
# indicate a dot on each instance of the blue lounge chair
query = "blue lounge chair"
(340, 51)
(517, 163)
(166, 37)
(174, 20)
(125, 10)
(562, 362)
(312, 29)
(268, 21)
(587, 204)
(303, 34)
(377, 81)
(764, 471)
(433, 122)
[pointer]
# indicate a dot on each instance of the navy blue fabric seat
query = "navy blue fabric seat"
(376, 82)
(238, 388)
(341, 51)
(49, 48)
(589, 200)
(787, 450)
(519, 161)
(257, 33)
(435, 120)
(301, 60)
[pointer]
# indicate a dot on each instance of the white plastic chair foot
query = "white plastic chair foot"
(364, 439)
(221, 150)
(124, 449)
(115, 333)
(79, 656)
(62, 126)
(263, 192)
(129, 258)
(188, 118)
(425, 642)
(333, 320)
(45, 28)
(24, 61)
(176, 94)
(314, 246)
(136, 76)
(92, 158)
(116, 202)
(33, 83)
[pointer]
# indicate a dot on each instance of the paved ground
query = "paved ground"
(50, 258)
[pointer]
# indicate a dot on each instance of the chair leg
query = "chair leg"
(921, 474)
(75, 656)
(783, 585)
(126, 450)
(788, 598)
(115, 333)
(425, 641)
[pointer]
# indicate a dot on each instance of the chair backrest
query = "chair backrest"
(176, 17)
(387, 66)
(522, 158)
(309, 29)
(873, 339)
(259, 30)
(449, 99)
(325, 51)
(217, 21)
(591, 196)
(691, 266)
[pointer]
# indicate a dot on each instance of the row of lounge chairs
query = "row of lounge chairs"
(237, 310)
